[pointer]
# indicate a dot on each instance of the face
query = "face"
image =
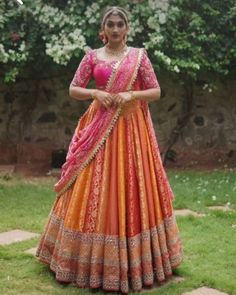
(115, 28)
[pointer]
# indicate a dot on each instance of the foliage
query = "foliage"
(185, 38)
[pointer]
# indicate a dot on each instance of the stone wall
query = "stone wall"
(209, 138)
(38, 118)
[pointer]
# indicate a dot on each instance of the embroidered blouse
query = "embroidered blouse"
(91, 67)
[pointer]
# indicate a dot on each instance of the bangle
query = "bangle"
(132, 95)
(93, 94)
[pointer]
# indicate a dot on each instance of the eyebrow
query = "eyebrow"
(119, 21)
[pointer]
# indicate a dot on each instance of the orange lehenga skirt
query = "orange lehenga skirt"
(111, 229)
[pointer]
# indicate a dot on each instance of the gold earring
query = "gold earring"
(125, 38)
(105, 39)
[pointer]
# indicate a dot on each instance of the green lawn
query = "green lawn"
(209, 242)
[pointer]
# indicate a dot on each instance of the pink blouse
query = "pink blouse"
(91, 67)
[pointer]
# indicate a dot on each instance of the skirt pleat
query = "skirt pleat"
(111, 229)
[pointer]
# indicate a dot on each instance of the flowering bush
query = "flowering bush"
(185, 38)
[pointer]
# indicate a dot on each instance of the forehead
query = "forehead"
(114, 18)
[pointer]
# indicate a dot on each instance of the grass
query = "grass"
(209, 242)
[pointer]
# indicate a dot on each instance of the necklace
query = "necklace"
(116, 52)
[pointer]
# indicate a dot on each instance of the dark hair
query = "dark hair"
(117, 11)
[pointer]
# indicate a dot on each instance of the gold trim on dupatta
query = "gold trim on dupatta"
(113, 121)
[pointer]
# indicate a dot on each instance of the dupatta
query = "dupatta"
(86, 143)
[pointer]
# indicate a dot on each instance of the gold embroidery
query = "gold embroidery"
(99, 260)
(130, 106)
(115, 67)
(140, 54)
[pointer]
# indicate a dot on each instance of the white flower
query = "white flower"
(162, 18)
(163, 57)
(213, 198)
(159, 5)
(167, 60)
(195, 66)
(62, 47)
(22, 46)
(176, 69)
(3, 55)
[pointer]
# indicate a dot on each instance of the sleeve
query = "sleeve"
(84, 71)
(147, 74)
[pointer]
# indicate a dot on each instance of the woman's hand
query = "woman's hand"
(104, 97)
(121, 98)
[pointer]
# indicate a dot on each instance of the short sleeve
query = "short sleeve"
(84, 71)
(147, 74)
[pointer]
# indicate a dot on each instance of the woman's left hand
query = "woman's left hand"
(121, 98)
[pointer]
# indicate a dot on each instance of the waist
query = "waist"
(127, 108)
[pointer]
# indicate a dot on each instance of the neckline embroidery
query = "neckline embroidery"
(109, 61)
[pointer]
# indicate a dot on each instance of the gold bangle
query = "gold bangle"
(132, 95)
(93, 94)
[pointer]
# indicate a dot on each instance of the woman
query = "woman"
(112, 224)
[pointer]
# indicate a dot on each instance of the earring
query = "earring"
(125, 38)
(103, 37)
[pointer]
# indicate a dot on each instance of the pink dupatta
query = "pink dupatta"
(86, 143)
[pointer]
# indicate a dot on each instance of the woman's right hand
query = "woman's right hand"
(104, 97)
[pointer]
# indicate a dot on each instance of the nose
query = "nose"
(115, 29)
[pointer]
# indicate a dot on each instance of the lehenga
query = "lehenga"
(112, 225)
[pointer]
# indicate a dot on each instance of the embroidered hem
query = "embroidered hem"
(92, 260)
